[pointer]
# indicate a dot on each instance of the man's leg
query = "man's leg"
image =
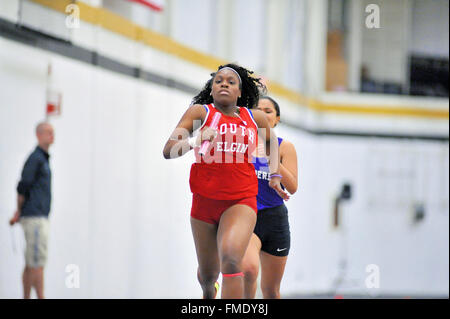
(42, 257)
(26, 281)
(27, 277)
(38, 281)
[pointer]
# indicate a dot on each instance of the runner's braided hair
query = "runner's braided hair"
(251, 88)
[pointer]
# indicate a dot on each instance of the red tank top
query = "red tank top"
(226, 171)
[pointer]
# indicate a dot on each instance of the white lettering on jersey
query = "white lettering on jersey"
(234, 147)
(243, 148)
(262, 175)
(223, 128)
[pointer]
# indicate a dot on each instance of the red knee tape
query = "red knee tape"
(233, 275)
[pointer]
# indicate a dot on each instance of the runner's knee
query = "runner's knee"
(230, 263)
(250, 271)
(206, 277)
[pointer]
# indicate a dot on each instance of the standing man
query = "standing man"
(33, 208)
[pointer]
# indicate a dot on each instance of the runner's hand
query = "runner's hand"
(207, 134)
(275, 183)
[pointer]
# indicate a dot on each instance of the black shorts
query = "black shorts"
(272, 228)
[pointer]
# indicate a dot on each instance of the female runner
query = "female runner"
(270, 242)
(223, 181)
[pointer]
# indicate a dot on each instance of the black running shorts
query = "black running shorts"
(272, 228)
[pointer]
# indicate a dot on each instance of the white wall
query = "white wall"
(387, 178)
(39, 18)
(248, 28)
(193, 23)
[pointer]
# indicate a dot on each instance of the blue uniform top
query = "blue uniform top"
(267, 196)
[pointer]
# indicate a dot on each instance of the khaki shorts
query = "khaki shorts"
(36, 237)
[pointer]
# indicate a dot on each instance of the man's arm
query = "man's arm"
(20, 201)
(16, 216)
